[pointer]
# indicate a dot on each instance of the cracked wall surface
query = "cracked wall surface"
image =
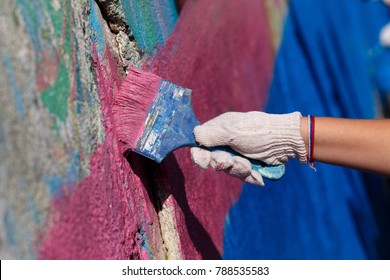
(66, 192)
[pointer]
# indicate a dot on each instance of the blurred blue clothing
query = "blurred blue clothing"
(329, 64)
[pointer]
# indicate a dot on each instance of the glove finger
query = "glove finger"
(211, 136)
(201, 157)
(255, 178)
(221, 160)
(215, 132)
(241, 168)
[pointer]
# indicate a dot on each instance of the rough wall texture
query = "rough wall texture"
(65, 190)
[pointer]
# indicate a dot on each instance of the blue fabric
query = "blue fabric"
(326, 66)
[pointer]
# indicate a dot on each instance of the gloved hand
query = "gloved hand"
(267, 137)
(235, 166)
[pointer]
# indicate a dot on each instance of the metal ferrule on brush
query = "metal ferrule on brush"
(169, 124)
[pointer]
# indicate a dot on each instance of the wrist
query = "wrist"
(287, 137)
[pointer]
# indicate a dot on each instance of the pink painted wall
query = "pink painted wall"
(73, 195)
(222, 50)
(109, 214)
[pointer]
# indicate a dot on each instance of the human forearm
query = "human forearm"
(274, 138)
(361, 144)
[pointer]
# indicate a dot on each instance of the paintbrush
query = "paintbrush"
(154, 117)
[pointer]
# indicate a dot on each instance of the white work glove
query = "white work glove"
(266, 137)
(235, 166)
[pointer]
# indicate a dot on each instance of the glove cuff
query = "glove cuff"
(287, 141)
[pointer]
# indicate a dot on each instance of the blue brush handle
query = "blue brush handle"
(272, 172)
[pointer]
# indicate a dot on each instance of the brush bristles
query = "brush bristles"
(131, 105)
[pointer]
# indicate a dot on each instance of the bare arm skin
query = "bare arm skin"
(360, 144)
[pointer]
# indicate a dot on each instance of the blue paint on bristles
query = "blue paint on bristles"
(154, 117)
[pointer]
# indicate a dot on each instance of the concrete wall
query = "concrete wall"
(66, 192)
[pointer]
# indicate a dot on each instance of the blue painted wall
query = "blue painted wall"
(326, 66)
